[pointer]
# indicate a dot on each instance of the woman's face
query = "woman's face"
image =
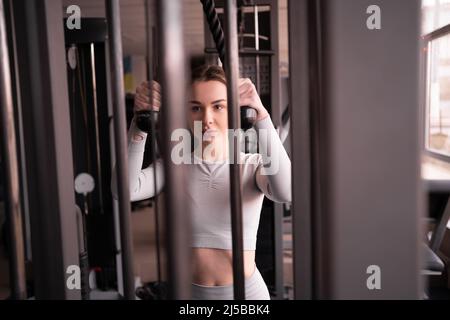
(208, 107)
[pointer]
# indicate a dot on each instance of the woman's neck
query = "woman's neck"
(212, 152)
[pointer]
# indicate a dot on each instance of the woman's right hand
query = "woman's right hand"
(147, 97)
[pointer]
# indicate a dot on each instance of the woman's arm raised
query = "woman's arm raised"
(273, 175)
(142, 181)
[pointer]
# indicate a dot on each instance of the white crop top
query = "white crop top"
(209, 187)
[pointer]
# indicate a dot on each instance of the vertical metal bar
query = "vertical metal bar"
(318, 223)
(150, 75)
(173, 113)
(149, 38)
(257, 60)
(82, 244)
(116, 66)
(9, 18)
(97, 139)
(232, 73)
(278, 211)
(116, 214)
(312, 44)
(301, 152)
(276, 111)
(275, 81)
(256, 22)
(357, 112)
(9, 154)
(43, 84)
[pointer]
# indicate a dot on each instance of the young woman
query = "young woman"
(209, 181)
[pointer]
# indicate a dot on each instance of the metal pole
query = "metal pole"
(232, 73)
(276, 111)
(96, 124)
(13, 207)
(9, 19)
(354, 112)
(301, 148)
(257, 62)
(173, 114)
(153, 146)
(115, 40)
(48, 146)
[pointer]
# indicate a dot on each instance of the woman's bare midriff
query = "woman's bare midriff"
(214, 267)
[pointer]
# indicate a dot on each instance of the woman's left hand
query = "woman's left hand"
(249, 97)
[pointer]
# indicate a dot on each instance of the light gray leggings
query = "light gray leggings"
(255, 289)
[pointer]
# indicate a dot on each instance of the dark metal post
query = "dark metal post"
(149, 19)
(232, 73)
(301, 149)
(366, 155)
(173, 114)
(149, 23)
(276, 112)
(42, 78)
(97, 135)
(115, 40)
(12, 43)
(9, 154)
(257, 62)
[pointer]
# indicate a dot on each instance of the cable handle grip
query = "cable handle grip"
(144, 120)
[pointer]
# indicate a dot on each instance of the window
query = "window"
(438, 96)
(438, 76)
(435, 14)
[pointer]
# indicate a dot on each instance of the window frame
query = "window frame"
(427, 39)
